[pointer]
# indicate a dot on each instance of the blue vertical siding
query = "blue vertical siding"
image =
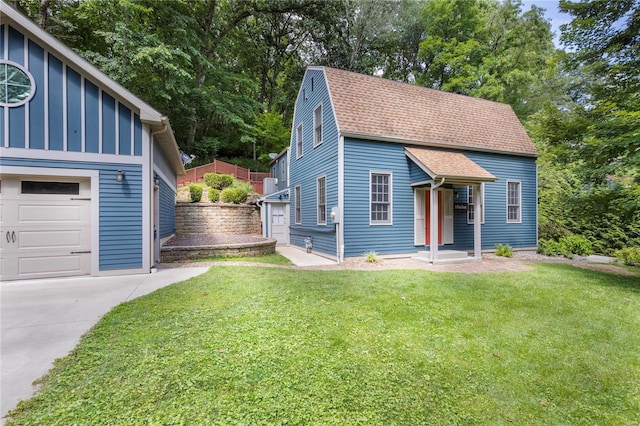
(359, 235)
(92, 118)
(56, 137)
(59, 101)
(167, 210)
(36, 105)
(16, 46)
(16, 114)
(108, 124)
(315, 162)
(124, 130)
(74, 111)
(120, 222)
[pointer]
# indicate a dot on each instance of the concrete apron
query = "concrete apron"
(42, 320)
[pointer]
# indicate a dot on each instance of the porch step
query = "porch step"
(444, 255)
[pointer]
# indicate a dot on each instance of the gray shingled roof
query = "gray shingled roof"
(377, 108)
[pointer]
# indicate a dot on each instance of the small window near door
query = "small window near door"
(50, 188)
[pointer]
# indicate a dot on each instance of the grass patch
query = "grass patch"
(271, 259)
(556, 345)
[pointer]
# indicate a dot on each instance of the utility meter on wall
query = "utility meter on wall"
(335, 216)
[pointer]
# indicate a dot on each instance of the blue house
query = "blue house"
(87, 169)
(275, 205)
(378, 165)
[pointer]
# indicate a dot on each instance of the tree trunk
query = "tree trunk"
(43, 12)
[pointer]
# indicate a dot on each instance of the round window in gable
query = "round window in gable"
(17, 86)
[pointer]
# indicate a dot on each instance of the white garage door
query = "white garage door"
(44, 227)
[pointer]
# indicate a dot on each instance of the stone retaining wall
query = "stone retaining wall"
(217, 218)
(173, 254)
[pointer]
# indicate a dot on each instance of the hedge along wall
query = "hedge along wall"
(236, 219)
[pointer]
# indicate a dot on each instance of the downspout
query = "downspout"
(433, 221)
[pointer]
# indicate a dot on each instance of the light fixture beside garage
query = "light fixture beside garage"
(119, 176)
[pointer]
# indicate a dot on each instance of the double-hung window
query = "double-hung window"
(471, 204)
(317, 126)
(514, 209)
(380, 196)
(283, 171)
(298, 205)
(299, 141)
(322, 200)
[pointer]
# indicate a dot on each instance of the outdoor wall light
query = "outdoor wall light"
(156, 179)
(119, 176)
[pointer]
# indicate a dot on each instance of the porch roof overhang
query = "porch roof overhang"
(454, 167)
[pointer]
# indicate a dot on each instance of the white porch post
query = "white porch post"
(477, 220)
(433, 225)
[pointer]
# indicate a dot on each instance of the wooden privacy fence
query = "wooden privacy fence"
(196, 174)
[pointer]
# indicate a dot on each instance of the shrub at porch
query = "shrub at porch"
(218, 181)
(234, 195)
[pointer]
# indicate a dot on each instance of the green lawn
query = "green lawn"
(556, 345)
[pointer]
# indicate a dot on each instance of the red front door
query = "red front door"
(428, 217)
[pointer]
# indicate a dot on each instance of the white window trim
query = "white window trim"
(299, 141)
(469, 205)
(315, 123)
(519, 220)
(390, 221)
(318, 222)
(297, 205)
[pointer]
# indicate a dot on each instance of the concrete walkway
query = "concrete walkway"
(42, 320)
(300, 257)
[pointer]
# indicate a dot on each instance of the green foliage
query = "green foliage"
(371, 256)
(233, 195)
(245, 186)
(218, 180)
(195, 192)
(504, 250)
(213, 194)
(577, 244)
(629, 256)
(243, 345)
(553, 248)
(567, 246)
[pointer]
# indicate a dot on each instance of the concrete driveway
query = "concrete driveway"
(42, 320)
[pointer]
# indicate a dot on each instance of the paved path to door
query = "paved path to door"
(42, 320)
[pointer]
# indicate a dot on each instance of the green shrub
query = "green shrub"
(553, 248)
(629, 256)
(504, 250)
(568, 246)
(234, 195)
(577, 244)
(246, 186)
(371, 256)
(214, 195)
(218, 181)
(195, 192)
